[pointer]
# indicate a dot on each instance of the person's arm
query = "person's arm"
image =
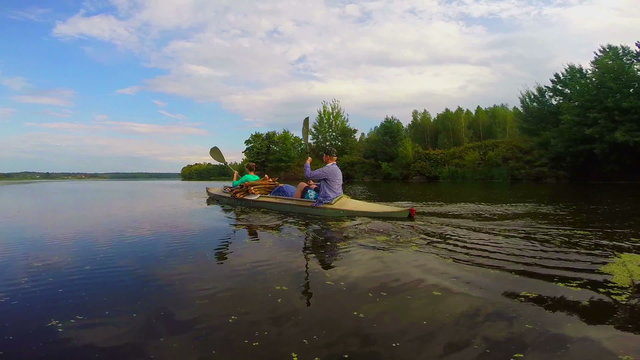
(315, 175)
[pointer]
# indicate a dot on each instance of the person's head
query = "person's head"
(251, 167)
(329, 155)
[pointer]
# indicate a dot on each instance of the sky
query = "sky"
(152, 85)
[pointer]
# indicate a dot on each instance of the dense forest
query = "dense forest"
(584, 125)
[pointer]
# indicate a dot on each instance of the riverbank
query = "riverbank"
(32, 175)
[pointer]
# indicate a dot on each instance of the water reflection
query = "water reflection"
(148, 271)
(622, 316)
(319, 240)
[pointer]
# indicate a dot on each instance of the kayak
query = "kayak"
(341, 206)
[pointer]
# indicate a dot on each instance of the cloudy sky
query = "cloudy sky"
(151, 85)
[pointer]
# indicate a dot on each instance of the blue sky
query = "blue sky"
(151, 85)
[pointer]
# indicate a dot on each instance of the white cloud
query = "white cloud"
(15, 83)
(32, 14)
(94, 148)
(172, 115)
(142, 128)
(270, 64)
(104, 27)
(131, 90)
(6, 112)
(159, 103)
(55, 97)
(62, 113)
(102, 124)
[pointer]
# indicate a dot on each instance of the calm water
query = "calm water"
(149, 269)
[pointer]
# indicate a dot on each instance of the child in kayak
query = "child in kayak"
(250, 176)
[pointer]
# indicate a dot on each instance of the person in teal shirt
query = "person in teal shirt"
(250, 176)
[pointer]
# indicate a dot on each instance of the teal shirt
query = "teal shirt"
(244, 179)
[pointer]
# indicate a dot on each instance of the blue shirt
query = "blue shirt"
(330, 179)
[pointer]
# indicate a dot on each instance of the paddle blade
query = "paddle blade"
(216, 154)
(305, 130)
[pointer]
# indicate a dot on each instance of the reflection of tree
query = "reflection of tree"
(244, 219)
(624, 317)
(323, 244)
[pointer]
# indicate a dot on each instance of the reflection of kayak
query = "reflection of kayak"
(342, 206)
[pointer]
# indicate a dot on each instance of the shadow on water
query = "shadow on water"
(624, 317)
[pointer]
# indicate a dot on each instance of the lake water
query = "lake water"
(150, 269)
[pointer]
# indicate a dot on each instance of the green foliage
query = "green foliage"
(382, 142)
(205, 171)
(358, 168)
(420, 130)
(587, 120)
(331, 128)
(625, 269)
(278, 154)
(497, 160)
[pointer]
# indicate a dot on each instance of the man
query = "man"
(329, 177)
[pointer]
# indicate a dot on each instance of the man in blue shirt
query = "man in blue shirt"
(329, 177)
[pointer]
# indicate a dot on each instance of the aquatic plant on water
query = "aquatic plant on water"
(625, 271)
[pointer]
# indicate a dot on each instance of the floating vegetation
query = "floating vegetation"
(527, 294)
(573, 285)
(625, 271)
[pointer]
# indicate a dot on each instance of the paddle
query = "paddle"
(305, 132)
(216, 154)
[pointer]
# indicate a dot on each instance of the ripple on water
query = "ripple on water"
(517, 238)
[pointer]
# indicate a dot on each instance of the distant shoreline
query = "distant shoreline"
(32, 175)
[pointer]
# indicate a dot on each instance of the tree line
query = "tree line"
(34, 175)
(584, 125)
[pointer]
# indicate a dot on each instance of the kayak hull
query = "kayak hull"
(343, 206)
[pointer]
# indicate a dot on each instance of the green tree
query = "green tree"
(331, 128)
(259, 148)
(588, 119)
(278, 154)
(383, 142)
(420, 129)
(205, 171)
(287, 155)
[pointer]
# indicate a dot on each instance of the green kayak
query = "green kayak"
(342, 206)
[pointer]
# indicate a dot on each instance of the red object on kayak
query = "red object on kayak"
(412, 213)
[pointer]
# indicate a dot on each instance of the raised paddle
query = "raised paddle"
(216, 154)
(305, 132)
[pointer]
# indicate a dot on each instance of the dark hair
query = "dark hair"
(250, 167)
(330, 151)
